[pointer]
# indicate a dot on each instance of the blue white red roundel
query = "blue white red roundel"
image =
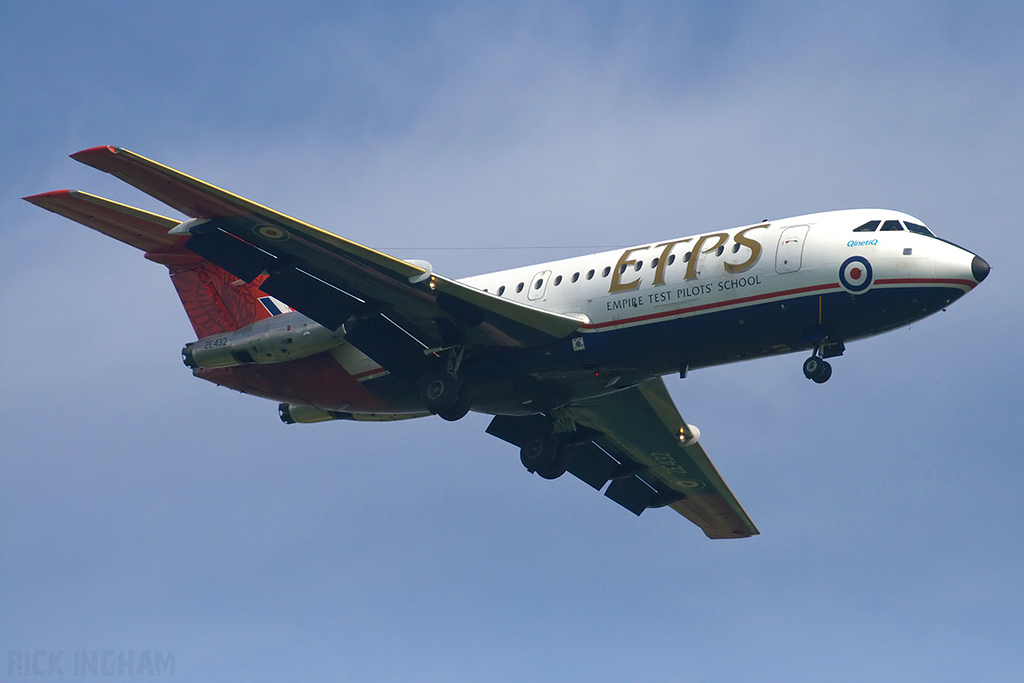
(855, 274)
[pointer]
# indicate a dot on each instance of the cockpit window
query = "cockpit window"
(919, 229)
(894, 225)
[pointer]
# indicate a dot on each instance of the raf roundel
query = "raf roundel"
(855, 274)
(270, 232)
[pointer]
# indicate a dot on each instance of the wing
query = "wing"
(642, 425)
(400, 305)
(636, 439)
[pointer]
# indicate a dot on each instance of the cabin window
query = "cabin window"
(736, 248)
(538, 283)
(622, 269)
(519, 287)
(501, 290)
(606, 271)
(671, 259)
(891, 226)
(686, 258)
(867, 227)
(575, 277)
(590, 274)
(720, 251)
(558, 280)
(654, 262)
(638, 266)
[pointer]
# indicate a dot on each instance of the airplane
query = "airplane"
(567, 356)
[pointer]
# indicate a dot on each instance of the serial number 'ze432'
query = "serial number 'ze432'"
(567, 356)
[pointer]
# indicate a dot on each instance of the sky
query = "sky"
(147, 514)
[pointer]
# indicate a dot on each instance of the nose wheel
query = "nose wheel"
(817, 369)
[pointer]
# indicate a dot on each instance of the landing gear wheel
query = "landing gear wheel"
(555, 469)
(458, 409)
(817, 369)
(826, 372)
(543, 455)
(439, 393)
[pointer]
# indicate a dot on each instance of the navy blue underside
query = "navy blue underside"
(541, 378)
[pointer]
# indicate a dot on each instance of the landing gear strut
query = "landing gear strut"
(817, 369)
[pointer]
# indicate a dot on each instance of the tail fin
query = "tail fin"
(216, 301)
(213, 299)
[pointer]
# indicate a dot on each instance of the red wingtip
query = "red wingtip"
(36, 198)
(94, 151)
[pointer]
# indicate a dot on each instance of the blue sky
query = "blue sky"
(144, 510)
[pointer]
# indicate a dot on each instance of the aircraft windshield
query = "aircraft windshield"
(871, 226)
(919, 229)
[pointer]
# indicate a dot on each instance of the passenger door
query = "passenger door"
(791, 249)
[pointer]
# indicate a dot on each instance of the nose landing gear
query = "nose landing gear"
(817, 369)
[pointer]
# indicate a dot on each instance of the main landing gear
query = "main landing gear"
(547, 442)
(545, 456)
(443, 394)
(817, 369)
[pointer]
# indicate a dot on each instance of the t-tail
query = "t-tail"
(214, 300)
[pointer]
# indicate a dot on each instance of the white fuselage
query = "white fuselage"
(729, 268)
(808, 283)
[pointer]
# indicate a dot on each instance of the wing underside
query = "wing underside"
(327, 277)
(634, 442)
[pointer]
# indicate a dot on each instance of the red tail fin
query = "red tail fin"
(215, 300)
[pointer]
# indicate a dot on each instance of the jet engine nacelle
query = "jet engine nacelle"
(292, 413)
(284, 337)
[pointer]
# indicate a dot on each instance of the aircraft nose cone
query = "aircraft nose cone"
(979, 268)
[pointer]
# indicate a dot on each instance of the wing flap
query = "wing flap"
(246, 238)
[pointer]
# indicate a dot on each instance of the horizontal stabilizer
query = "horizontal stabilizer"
(139, 228)
(213, 300)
